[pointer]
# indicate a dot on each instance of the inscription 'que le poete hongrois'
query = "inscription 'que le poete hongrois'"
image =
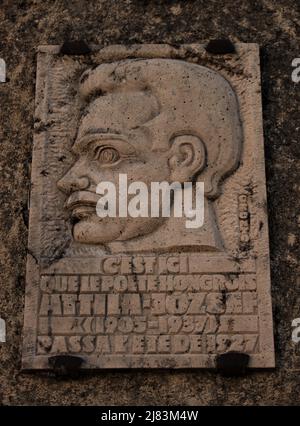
(123, 292)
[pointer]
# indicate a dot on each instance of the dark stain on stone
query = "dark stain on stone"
(63, 365)
(76, 47)
(25, 215)
(223, 296)
(232, 363)
(220, 47)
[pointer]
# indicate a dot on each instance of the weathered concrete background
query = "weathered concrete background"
(274, 24)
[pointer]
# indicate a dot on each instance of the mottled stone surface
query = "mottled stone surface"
(275, 27)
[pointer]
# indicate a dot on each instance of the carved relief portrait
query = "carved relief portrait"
(146, 290)
(155, 120)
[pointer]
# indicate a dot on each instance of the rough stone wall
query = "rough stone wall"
(274, 24)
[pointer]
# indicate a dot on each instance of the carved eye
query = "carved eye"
(107, 155)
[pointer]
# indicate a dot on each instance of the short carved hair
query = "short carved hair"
(192, 99)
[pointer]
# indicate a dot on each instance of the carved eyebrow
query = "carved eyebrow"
(96, 135)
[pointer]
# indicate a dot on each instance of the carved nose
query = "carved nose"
(71, 182)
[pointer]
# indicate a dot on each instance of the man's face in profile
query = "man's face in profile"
(112, 140)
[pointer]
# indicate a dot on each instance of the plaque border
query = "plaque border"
(30, 361)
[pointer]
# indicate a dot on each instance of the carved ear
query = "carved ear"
(187, 157)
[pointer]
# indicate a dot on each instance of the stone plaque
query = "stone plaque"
(148, 291)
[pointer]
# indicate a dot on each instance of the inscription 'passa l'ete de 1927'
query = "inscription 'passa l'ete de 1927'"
(132, 292)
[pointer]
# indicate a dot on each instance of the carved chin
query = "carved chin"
(90, 231)
(94, 230)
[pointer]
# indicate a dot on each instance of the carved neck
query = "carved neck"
(173, 235)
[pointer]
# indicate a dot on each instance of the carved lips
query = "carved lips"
(82, 204)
